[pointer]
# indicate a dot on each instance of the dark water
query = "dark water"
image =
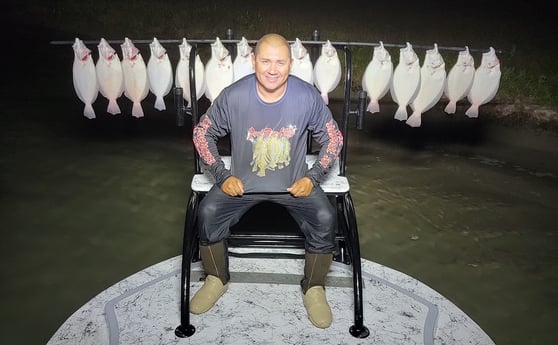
(466, 206)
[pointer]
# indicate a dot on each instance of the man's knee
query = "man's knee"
(206, 212)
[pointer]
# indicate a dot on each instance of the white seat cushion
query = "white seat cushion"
(333, 183)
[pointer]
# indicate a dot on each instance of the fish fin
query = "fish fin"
(160, 103)
(414, 120)
(373, 106)
(325, 98)
(88, 111)
(401, 113)
(137, 110)
(473, 111)
(113, 107)
(450, 108)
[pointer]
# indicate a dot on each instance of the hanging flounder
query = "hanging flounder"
(377, 77)
(159, 73)
(183, 72)
(242, 65)
(459, 80)
(136, 83)
(84, 77)
(327, 71)
(406, 81)
(432, 81)
(219, 71)
(109, 76)
(485, 84)
(301, 66)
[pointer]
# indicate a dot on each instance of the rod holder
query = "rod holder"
(315, 49)
(179, 103)
(360, 111)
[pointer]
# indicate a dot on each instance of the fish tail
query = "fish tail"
(325, 98)
(113, 107)
(160, 103)
(473, 111)
(373, 106)
(450, 108)
(88, 111)
(401, 113)
(414, 120)
(137, 110)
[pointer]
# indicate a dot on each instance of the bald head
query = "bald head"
(273, 40)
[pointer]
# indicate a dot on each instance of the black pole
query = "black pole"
(346, 110)
(358, 330)
(186, 329)
(194, 101)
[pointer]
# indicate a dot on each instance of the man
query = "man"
(268, 115)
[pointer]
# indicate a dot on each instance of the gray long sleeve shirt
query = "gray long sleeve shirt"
(268, 140)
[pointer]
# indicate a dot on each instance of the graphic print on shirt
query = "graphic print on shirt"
(271, 149)
(201, 143)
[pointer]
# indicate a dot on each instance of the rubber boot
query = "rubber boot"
(316, 267)
(215, 261)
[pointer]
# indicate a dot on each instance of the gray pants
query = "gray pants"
(314, 214)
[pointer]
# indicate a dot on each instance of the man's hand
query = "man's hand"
(301, 188)
(233, 186)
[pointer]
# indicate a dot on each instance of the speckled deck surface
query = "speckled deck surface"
(264, 306)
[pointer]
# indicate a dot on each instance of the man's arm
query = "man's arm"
(330, 138)
(205, 136)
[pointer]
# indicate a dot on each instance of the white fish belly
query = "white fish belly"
(85, 82)
(183, 78)
(303, 69)
(430, 90)
(405, 84)
(218, 75)
(327, 74)
(242, 66)
(484, 88)
(377, 79)
(136, 85)
(458, 83)
(110, 78)
(160, 77)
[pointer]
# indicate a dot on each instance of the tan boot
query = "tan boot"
(207, 295)
(317, 307)
(215, 262)
(315, 272)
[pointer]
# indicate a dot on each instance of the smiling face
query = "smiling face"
(272, 65)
